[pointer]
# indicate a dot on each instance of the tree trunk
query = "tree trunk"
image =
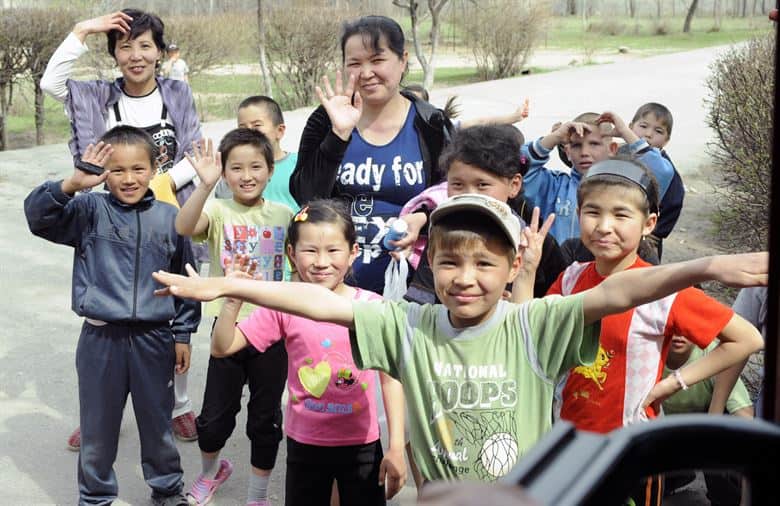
(716, 12)
(571, 7)
(744, 8)
(435, 7)
(658, 8)
(39, 111)
(632, 8)
(3, 111)
(264, 71)
(689, 16)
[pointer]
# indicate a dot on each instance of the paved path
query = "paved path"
(38, 398)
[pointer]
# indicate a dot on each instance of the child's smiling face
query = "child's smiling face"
(257, 118)
(129, 172)
(612, 224)
(247, 173)
(322, 255)
(470, 278)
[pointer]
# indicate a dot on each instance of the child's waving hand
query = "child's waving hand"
(96, 155)
(206, 163)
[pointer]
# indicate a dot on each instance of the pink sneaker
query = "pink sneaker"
(74, 441)
(203, 489)
(184, 427)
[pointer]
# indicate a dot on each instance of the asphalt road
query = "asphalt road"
(38, 331)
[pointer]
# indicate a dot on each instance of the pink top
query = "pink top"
(430, 198)
(332, 402)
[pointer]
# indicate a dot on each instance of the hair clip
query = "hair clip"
(523, 160)
(302, 215)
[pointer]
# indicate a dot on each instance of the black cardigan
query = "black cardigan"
(321, 151)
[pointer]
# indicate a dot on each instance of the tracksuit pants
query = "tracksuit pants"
(113, 361)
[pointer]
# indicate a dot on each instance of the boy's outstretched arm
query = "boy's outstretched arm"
(624, 290)
(302, 299)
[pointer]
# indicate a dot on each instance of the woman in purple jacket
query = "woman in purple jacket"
(162, 107)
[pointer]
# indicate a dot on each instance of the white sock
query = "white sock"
(257, 490)
(210, 466)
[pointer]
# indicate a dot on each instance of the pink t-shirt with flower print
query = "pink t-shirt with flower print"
(332, 402)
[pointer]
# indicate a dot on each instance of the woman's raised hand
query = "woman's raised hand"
(103, 24)
(343, 111)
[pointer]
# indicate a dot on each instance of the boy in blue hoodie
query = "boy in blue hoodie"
(587, 139)
(130, 342)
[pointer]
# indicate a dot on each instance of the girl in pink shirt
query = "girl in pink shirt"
(331, 421)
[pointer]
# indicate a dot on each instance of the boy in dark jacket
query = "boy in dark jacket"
(130, 341)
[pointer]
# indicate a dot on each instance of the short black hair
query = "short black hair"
(660, 111)
(132, 136)
(372, 29)
(492, 148)
(142, 21)
(243, 137)
(270, 105)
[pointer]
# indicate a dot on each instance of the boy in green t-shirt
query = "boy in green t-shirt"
(478, 371)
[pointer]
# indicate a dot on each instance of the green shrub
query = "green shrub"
(740, 107)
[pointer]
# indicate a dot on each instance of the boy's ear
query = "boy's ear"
(517, 263)
(613, 148)
(515, 185)
(280, 131)
(650, 223)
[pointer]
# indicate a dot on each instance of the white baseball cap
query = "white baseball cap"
(498, 211)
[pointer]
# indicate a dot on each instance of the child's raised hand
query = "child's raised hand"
(569, 128)
(522, 112)
(620, 129)
(241, 266)
(191, 286)
(533, 241)
(206, 163)
(344, 113)
(97, 155)
(392, 472)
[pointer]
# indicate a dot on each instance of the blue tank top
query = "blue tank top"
(378, 181)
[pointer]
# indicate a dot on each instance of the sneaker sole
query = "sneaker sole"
(184, 438)
(73, 448)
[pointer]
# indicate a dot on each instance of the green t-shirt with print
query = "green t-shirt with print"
(259, 231)
(698, 396)
(480, 397)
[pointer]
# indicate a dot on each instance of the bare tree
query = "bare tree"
(689, 16)
(571, 7)
(632, 8)
(11, 65)
(716, 12)
(42, 32)
(264, 71)
(427, 61)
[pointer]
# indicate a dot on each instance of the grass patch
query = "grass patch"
(640, 34)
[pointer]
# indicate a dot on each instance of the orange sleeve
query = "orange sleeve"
(697, 316)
